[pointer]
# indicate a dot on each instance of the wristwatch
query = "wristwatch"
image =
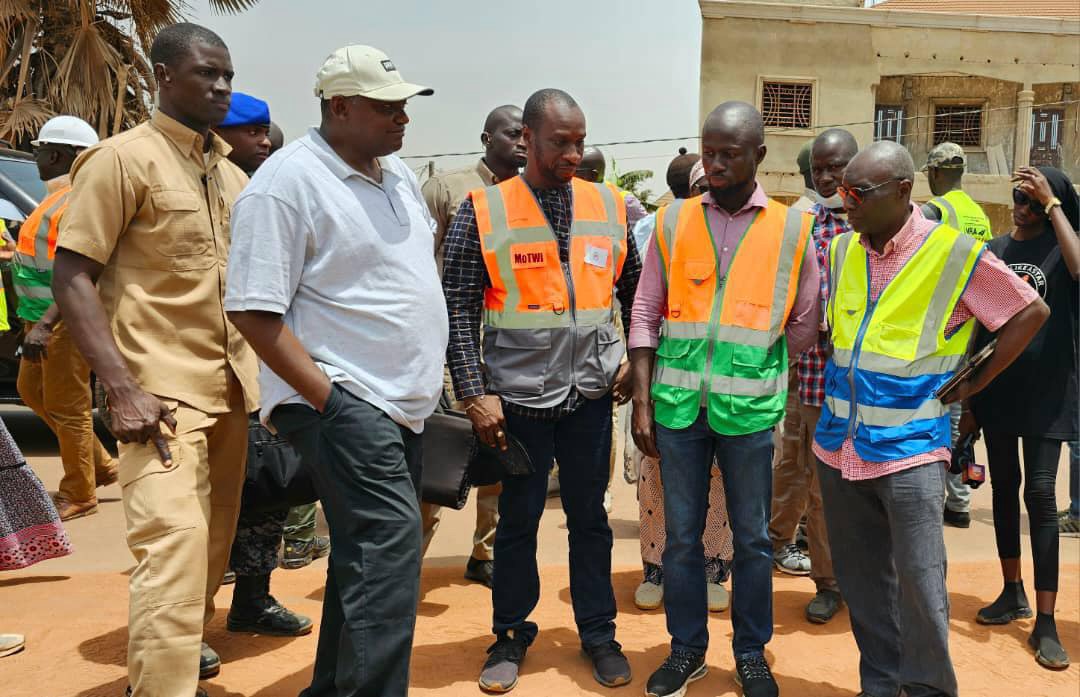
(1055, 201)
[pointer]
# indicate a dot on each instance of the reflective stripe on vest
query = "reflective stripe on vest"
(549, 325)
(723, 346)
(891, 354)
(960, 211)
(37, 235)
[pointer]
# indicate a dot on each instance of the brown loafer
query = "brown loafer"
(70, 510)
(110, 476)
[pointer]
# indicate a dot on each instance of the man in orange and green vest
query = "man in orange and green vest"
(729, 288)
(538, 260)
(54, 379)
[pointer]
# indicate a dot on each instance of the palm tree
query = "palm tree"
(633, 182)
(81, 57)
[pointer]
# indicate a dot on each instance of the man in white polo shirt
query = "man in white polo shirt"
(332, 281)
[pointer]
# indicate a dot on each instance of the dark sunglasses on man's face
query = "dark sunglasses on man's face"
(1020, 198)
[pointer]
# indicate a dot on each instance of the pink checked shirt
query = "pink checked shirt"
(992, 297)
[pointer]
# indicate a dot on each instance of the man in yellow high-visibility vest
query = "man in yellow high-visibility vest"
(945, 165)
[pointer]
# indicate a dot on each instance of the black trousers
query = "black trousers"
(1040, 478)
(366, 471)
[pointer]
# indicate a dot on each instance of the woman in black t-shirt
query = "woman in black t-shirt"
(1034, 400)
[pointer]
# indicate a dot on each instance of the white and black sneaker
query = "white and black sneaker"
(679, 670)
(754, 677)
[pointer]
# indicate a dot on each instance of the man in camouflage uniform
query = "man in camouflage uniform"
(254, 552)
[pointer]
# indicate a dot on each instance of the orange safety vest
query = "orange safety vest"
(548, 325)
(37, 235)
(723, 346)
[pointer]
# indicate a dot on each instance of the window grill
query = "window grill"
(960, 124)
(787, 104)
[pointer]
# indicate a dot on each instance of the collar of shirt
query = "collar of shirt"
(342, 169)
(828, 215)
(910, 234)
(560, 188)
(758, 199)
(485, 174)
(188, 142)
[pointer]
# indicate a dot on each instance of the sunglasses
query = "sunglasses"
(857, 194)
(1020, 198)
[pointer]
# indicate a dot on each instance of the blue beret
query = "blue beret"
(246, 110)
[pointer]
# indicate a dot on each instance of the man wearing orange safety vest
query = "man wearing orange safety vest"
(539, 259)
(733, 278)
(54, 379)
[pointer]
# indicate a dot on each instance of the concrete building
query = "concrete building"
(1000, 77)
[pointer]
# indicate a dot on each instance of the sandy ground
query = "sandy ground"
(74, 614)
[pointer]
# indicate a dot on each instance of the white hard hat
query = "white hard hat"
(67, 130)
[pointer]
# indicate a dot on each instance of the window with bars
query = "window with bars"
(958, 123)
(787, 104)
(888, 122)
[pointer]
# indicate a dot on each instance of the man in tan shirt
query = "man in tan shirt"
(504, 155)
(148, 221)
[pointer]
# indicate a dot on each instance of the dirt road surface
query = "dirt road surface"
(74, 614)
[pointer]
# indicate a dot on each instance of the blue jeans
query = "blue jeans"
(581, 442)
(686, 457)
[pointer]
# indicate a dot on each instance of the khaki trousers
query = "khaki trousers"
(487, 518)
(796, 490)
(57, 388)
(180, 525)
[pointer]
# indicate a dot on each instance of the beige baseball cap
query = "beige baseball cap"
(364, 71)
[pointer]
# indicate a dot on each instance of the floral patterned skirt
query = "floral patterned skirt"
(30, 529)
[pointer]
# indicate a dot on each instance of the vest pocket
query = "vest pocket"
(896, 340)
(517, 359)
(601, 352)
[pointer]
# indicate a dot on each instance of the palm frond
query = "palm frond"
(17, 9)
(232, 6)
(86, 74)
(21, 121)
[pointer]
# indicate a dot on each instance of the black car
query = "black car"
(20, 191)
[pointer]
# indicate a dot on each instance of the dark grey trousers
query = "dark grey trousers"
(889, 555)
(366, 471)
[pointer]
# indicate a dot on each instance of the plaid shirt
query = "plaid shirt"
(465, 278)
(810, 365)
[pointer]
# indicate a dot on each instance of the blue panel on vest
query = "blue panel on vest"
(880, 444)
(881, 390)
(831, 430)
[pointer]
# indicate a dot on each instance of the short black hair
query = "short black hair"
(174, 41)
(533, 113)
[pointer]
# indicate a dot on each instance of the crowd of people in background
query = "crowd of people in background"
(787, 371)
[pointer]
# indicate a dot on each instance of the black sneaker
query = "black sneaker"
(209, 662)
(679, 670)
(1011, 604)
(500, 673)
(957, 519)
(752, 674)
(824, 606)
(270, 619)
(480, 570)
(610, 667)
(300, 553)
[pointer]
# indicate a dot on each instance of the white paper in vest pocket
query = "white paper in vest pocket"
(596, 256)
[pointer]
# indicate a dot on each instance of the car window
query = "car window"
(24, 174)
